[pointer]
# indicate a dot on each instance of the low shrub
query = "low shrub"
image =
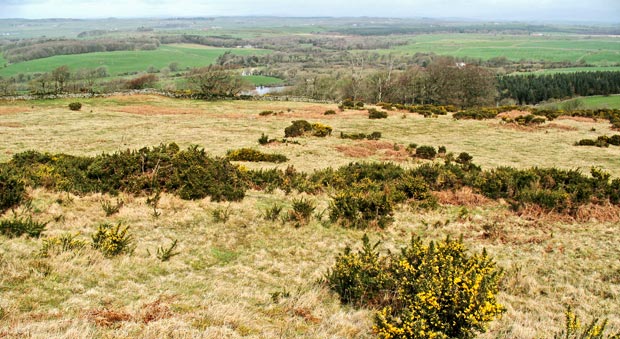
(297, 129)
(166, 253)
(602, 141)
(12, 190)
(425, 152)
(320, 130)
(364, 205)
(272, 213)
(75, 106)
(113, 240)
(266, 113)
(373, 113)
(18, 226)
(426, 291)
(329, 112)
(573, 329)
(301, 212)
(63, 243)
(476, 114)
(110, 208)
(248, 154)
(350, 104)
(360, 136)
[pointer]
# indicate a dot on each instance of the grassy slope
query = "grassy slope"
(593, 102)
(554, 48)
(128, 61)
(223, 282)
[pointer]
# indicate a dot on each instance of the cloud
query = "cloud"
(608, 10)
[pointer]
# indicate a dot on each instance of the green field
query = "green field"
(129, 61)
(593, 102)
(595, 50)
(261, 80)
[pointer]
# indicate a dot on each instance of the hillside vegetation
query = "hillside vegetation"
(126, 231)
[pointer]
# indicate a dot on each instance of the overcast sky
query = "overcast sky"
(555, 10)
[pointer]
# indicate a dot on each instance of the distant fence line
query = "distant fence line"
(169, 94)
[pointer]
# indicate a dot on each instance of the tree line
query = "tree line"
(25, 50)
(533, 89)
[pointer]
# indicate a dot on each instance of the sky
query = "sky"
(521, 10)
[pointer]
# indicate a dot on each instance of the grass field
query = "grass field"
(251, 278)
(129, 61)
(592, 102)
(593, 50)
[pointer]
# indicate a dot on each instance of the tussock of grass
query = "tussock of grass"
(222, 282)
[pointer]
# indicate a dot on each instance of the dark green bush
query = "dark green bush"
(17, 226)
(264, 139)
(297, 129)
(464, 158)
(364, 205)
(248, 154)
(373, 113)
(301, 212)
(12, 190)
(265, 113)
(75, 106)
(425, 152)
(330, 112)
(359, 136)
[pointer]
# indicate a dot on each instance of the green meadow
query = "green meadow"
(597, 50)
(119, 62)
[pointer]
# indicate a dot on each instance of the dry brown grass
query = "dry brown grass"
(155, 110)
(7, 110)
(226, 274)
(462, 197)
(368, 148)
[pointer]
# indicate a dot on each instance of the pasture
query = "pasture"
(602, 51)
(122, 62)
(238, 275)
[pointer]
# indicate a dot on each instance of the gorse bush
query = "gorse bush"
(17, 226)
(373, 113)
(111, 208)
(602, 141)
(12, 190)
(359, 136)
(320, 130)
(302, 127)
(190, 174)
(64, 243)
(249, 154)
(573, 329)
(425, 152)
(113, 240)
(427, 291)
(297, 129)
(363, 205)
(75, 106)
(301, 212)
